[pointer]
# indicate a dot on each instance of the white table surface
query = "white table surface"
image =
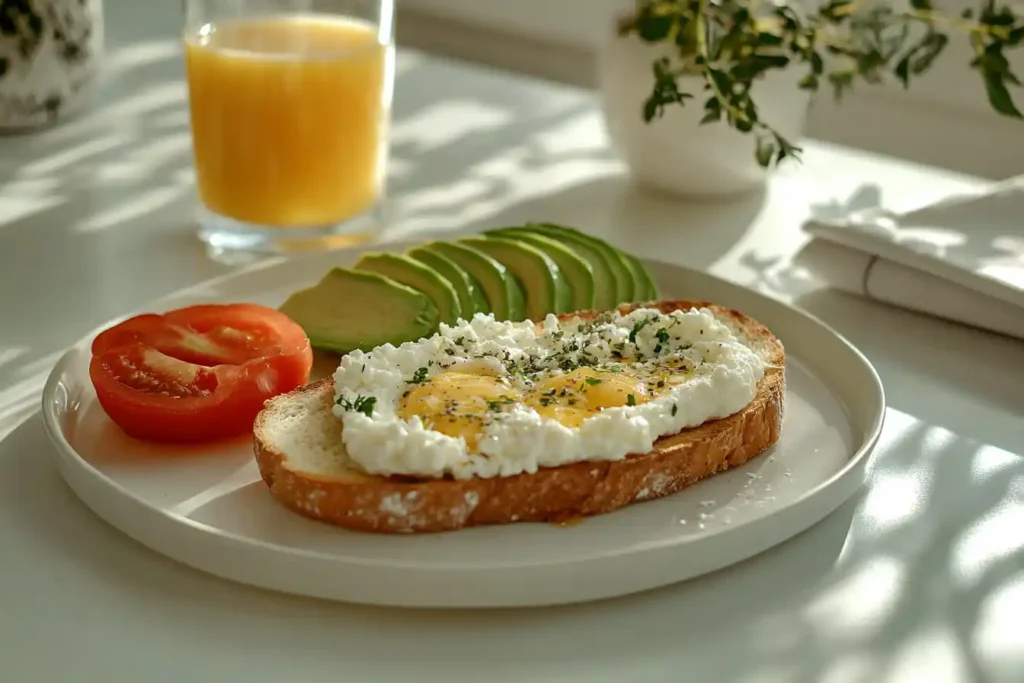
(918, 578)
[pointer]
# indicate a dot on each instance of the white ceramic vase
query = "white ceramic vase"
(49, 59)
(675, 153)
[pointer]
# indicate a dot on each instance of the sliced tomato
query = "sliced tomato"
(198, 373)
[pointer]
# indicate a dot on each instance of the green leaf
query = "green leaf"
(712, 111)
(786, 149)
(651, 109)
(999, 96)
(684, 37)
(1002, 16)
(902, 71)
(995, 72)
(808, 82)
(817, 64)
(868, 64)
(766, 39)
(841, 82)
(35, 24)
(714, 36)
(929, 48)
(752, 66)
(654, 28)
(661, 68)
(721, 80)
(765, 152)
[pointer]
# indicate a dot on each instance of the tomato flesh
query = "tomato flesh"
(198, 373)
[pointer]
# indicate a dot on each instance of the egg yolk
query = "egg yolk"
(458, 403)
(573, 397)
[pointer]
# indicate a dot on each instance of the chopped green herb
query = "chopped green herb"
(419, 376)
(630, 400)
(675, 409)
(593, 381)
(637, 327)
(361, 404)
(497, 404)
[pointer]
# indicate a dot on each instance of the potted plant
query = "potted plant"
(49, 53)
(703, 97)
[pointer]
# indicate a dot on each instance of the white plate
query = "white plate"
(208, 508)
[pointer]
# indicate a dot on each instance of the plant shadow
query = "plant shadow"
(795, 609)
(898, 342)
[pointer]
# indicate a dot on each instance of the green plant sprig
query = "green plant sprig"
(730, 44)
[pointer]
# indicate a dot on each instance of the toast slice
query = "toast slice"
(303, 461)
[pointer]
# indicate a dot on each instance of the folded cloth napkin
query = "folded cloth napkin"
(961, 259)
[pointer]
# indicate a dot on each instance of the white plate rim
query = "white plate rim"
(852, 472)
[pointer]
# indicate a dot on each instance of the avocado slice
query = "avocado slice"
(605, 287)
(471, 299)
(646, 289)
(412, 273)
(616, 262)
(504, 296)
(536, 273)
(577, 271)
(350, 309)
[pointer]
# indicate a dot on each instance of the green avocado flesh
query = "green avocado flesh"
(412, 273)
(600, 258)
(515, 273)
(536, 273)
(634, 282)
(503, 294)
(471, 297)
(614, 260)
(646, 289)
(350, 309)
(576, 270)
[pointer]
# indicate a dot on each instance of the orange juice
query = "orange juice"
(288, 118)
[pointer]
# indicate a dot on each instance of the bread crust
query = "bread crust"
(560, 494)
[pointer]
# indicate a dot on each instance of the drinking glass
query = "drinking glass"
(290, 102)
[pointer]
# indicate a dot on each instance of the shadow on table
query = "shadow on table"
(934, 360)
(864, 197)
(967, 363)
(868, 581)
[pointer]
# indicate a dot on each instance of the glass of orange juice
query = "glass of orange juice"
(290, 102)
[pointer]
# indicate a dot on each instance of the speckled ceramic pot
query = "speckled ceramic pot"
(49, 59)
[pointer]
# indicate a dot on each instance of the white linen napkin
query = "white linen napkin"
(961, 259)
